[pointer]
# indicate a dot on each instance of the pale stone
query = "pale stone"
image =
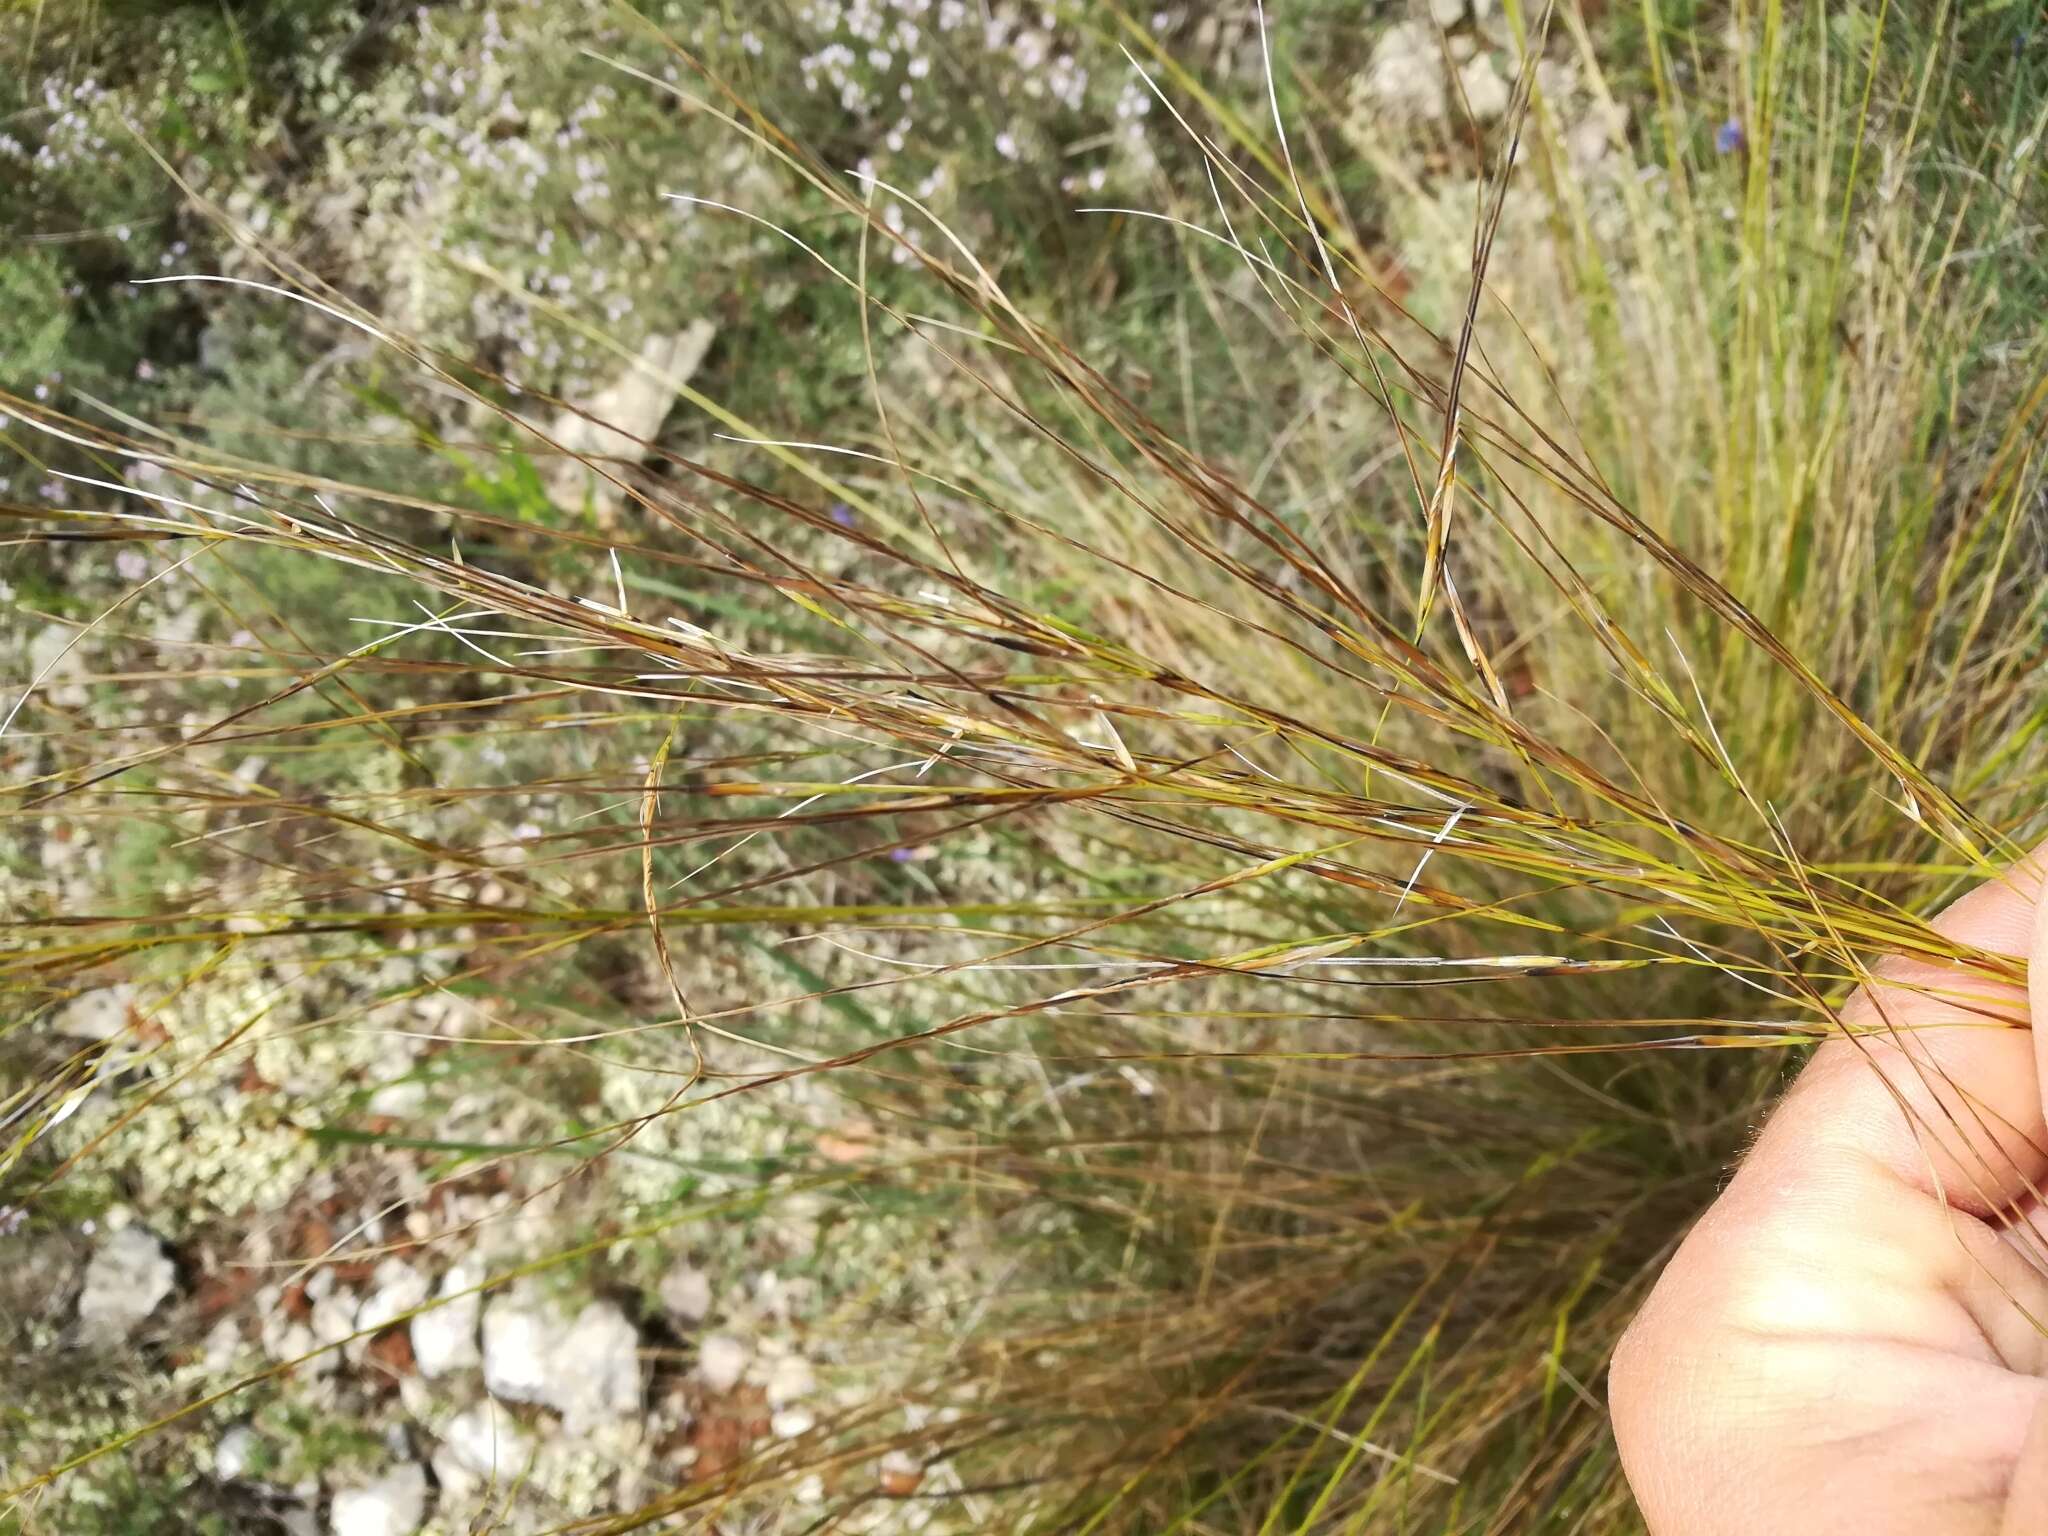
(790, 1378)
(588, 1372)
(721, 1362)
(55, 666)
(620, 421)
(394, 1505)
(237, 1450)
(1404, 78)
(128, 1274)
(444, 1336)
(396, 1288)
(1486, 93)
(101, 1014)
(481, 1447)
(686, 1293)
(515, 1350)
(595, 1369)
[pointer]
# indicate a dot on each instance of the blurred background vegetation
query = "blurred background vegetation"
(393, 922)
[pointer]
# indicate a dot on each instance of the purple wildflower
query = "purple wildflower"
(1729, 139)
(842, 514)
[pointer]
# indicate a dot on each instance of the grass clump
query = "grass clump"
(1218, 947)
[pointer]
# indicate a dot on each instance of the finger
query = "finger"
(2037, 988)
(1844, 1256)
(1941, 1083)
(2026, 1510)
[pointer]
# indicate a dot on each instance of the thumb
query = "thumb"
(2037, 978)
(2026, 1508)
(1939, 1081)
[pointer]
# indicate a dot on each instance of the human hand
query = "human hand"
(1852, 1338)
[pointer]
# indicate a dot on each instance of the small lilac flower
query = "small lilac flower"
(901, 855)
(842, 514)
(11, 1218)
(1729, 139)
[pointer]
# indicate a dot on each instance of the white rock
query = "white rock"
(621, 420)
(55, 665)
(1447, 13)
(284, 1340)
(1486, 93)
(686, 1293)
(632, 408)
(480, 1447)
(101, 1014)
(588, 1372)
(128, 1274)
(444, 1338)
(790, 1378)
(394, 1505)
(237, 1449)
(516, 1340)
(401, 1101)
(223, 1343)
(721, 1362)
(1404, 78)
(395, 1289)
(334, 1316)
(595, 1369)
(1592, 140)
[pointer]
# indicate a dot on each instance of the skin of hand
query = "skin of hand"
(1847, 1342)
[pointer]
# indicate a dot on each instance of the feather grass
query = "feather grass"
(1323, 921)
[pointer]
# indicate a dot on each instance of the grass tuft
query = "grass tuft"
(1232, 896)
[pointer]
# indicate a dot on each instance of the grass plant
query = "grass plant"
(1301, 863)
